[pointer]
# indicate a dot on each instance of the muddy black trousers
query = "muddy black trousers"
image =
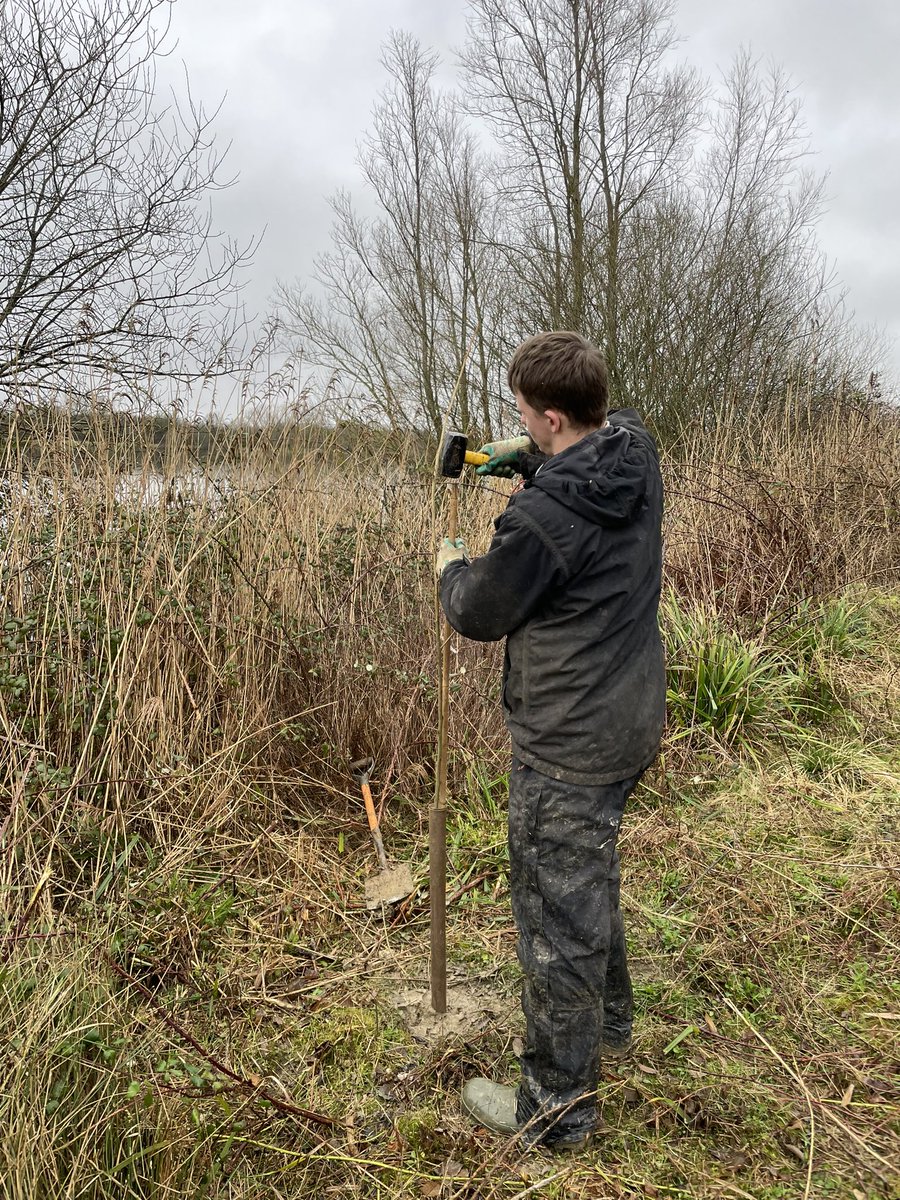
(564, 885)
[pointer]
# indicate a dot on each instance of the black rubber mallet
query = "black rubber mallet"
(454, 456)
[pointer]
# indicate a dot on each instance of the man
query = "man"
(572, 580)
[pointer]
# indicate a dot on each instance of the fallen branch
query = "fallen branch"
(251, 1086)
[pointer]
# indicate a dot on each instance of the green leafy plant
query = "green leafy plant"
(732, 690)
(839, 628)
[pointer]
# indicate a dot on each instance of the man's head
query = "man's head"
(560, 383)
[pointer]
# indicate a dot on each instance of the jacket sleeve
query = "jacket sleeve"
(489, 597)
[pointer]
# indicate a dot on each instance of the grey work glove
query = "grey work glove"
(449, 552)
(504, 456)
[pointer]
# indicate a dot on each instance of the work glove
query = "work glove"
(504, 456)
(449, 552)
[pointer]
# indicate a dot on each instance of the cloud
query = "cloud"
(300, 81)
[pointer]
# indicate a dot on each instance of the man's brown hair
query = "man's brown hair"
(561, 370)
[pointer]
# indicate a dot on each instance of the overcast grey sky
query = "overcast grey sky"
(299, 78)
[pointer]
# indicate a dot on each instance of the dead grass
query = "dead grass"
(194, 998)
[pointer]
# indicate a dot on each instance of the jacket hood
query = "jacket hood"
(603, 477)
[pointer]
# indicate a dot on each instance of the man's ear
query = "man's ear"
(554, 419)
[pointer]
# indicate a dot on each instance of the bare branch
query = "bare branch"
(107, 254)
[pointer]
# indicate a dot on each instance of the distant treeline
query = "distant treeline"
(130, 441)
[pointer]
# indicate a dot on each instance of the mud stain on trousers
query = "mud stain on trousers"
(564, 885)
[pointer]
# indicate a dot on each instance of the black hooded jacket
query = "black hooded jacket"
(572, 580)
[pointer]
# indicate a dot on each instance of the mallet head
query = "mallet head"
(453, 454)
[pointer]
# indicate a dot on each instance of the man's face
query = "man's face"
(539, 426)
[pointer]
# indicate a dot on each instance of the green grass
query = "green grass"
(727, 688)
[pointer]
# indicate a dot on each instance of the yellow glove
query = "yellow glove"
(449, 552)
(504, 456)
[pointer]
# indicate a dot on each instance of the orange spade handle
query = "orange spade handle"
(373, 823)
(370, 807)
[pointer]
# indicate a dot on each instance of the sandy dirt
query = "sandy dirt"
(471, 1008)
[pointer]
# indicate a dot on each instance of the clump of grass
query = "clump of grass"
(844, 763)
(724, 686)
(72, 1107)
(837, 627)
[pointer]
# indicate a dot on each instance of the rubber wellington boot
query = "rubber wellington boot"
(492, 1105)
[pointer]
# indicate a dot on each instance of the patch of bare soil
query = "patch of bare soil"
(471, 1008)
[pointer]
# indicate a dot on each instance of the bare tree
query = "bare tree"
(595, 124)
(728, 294)
(475, 283)
(107, 255)
(399, 161)
(676, 230)
(409, 300)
